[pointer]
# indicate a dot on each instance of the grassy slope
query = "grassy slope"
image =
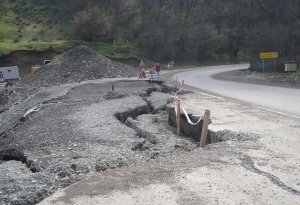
(24, 26)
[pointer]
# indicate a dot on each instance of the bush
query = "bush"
(34, 37)
(16, 40)
(90, 24)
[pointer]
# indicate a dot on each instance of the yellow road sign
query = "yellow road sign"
(269, 55)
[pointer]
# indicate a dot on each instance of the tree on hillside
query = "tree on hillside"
(91, 24)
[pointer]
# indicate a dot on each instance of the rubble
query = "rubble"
(82, 128)
(20, 186)
(73, 132)
(57, 135)
(76, 65)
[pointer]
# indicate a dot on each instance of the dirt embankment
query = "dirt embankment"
(26, 59)
(291, 80)
(76, 65)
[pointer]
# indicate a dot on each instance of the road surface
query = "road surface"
(276, 99)
(260, 166)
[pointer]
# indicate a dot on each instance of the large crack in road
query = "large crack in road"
(85, 128)
(248, 163)
(81, 131)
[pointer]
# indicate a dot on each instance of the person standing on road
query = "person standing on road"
(142, 64)
(143, 72)
(157, 69)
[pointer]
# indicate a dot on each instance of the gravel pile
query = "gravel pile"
(9, 95)
(20, 186)
(76, 65)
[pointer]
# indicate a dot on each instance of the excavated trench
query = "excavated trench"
(134, 113)
(13, 154)
(149, 143)
(187, 130)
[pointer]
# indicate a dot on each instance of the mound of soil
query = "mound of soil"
(76, 65)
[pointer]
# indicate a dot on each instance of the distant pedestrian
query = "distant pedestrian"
(143, 73)
(142, 67)
(142, 64)
(157, 69)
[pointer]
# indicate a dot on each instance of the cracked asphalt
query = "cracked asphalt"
(261, 168)
(76, 136)
(75, 132)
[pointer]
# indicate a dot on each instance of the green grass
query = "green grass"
(106, 49)
(23, 22)
(7, 28)
(9, 46)
(26, 26)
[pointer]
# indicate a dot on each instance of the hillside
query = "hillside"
(184, 31)
(24, 25)
(44, 25)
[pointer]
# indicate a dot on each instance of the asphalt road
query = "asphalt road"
(276, 99)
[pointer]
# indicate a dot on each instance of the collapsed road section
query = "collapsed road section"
(79, 129)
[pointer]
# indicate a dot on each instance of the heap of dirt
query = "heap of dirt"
(76, 65)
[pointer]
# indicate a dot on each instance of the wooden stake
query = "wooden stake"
(204, 131)
(113, 87)
(178, 118)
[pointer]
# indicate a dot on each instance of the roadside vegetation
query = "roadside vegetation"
(204, 32)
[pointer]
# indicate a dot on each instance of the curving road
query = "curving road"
(276, 99)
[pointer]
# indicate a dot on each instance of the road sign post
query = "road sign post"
(268, 55)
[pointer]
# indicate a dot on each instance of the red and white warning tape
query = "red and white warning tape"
(188, 118)
(179, 101)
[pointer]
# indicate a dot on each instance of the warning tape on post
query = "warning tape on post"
(180, 101)
(188, 118)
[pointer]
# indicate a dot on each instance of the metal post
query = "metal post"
(263, 65)
(274, 65)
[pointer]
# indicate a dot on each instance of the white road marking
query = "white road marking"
(213, 96)
(276, 112)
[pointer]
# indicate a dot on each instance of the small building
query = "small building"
(9, 73)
